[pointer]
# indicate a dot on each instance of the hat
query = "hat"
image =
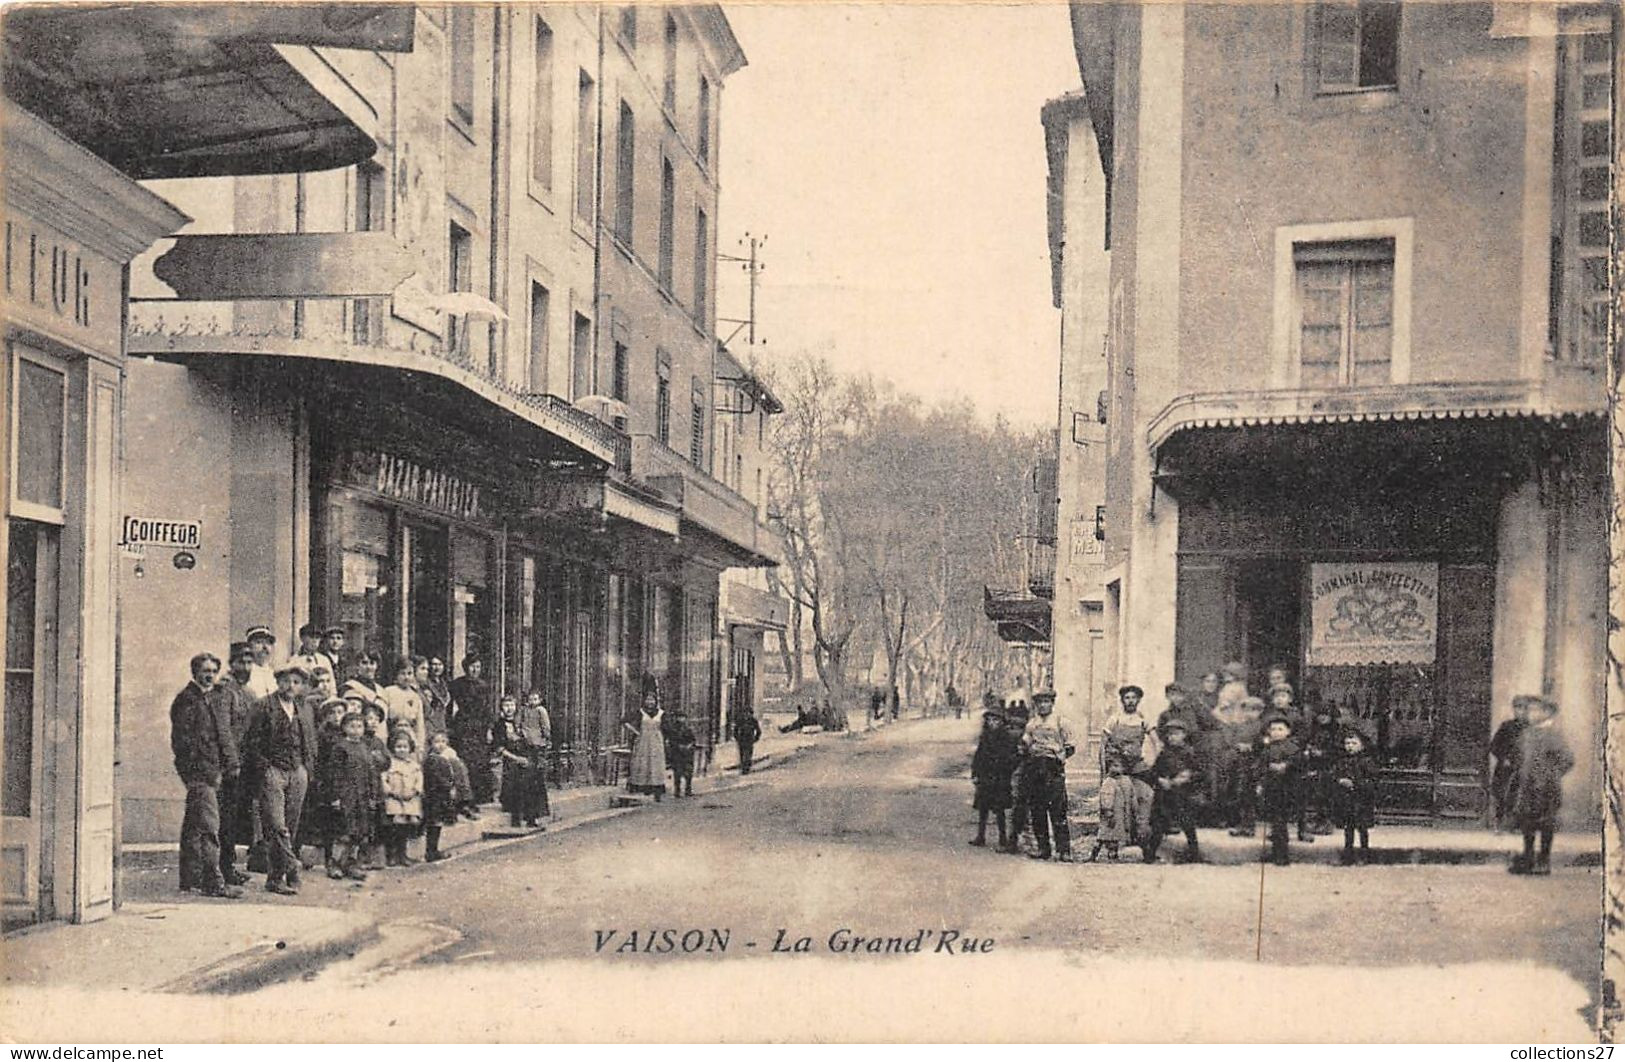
(310, 630)
(1354, 731)
(1047, 696)
(1281, 687)
(261, 632)
(1233, 670)
(1173, 722)
(334, 702)
(1123, 691)
(291, 668)
(237, 648)
(334, 629)
(1279, 717)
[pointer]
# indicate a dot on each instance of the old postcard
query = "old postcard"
(811, 522)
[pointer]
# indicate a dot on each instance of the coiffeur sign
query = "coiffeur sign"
(1373, 613)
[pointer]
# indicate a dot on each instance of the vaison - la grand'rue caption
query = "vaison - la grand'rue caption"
(839, 942)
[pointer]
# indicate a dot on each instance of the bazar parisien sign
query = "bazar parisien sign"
(407, 481)
(1376, 612)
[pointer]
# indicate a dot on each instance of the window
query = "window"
(1583, 150)
(541, 110)
(586, 145)
(40, 419)
(629, 25)
(668, 221)
(1346, 312)
(696, 437)
(702, 266)
(460, 278)
(539, 304)
(366, 315)
(705, 121)
(625, 152)
(581, 374)
(620, 383)
(1357, 46)
(669, 92)
(663, 397)
(462, 63)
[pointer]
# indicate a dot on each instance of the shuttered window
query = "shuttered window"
(1357, 46)
(1346, 313)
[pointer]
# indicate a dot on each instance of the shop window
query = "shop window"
(626, 141)
(1346, 312)
(366, 579)
(1356, 46)
(1581, 279)
(586, 145)
(541, 109)
(668, 222)
(40, 416)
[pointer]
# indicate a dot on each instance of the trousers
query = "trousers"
(1047, 801)
(282, 801)
(200, 838)
(747, 749)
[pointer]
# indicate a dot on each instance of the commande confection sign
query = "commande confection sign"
(1373, 613)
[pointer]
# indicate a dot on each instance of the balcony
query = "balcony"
(1041, 569)
(746, 606)
(1019, 617)
(708, 507)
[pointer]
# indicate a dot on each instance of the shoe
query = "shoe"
(1306, 837)
(535, 823)
(977, 842)
(1520, 865)
(435, 857)
(1542, 867)
(235, 877)
(1364, 857)
(1347, 859)
(1148, 857)
(335, 873)
(408, 861)
(222, 892)
(1282, 861)
(1038, 855)
(187, 886)
(1064, 857)
(280, 887)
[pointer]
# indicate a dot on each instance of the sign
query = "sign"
(310, 265)
(1377, 612)
(406, 480)
(139, 531)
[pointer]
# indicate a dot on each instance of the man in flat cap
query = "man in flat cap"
(232, 698)
(311, 656)
(262, 676)
(281, 752)
(205, 754)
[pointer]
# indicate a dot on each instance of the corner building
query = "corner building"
(1357, 309)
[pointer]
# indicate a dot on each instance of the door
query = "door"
(31, 631)
(427, 612)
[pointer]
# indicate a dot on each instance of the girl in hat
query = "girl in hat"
(1352, 794)
(1543, 759)
(990, 771)
(403, 798)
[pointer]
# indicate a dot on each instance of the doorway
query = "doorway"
(1269, 615)
(427, 565)
(31, 632)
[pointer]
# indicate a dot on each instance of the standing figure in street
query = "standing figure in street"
(443, 796)
(990, 770)
(1243, 731)
(205, 755)
(376, 739)
(436, 692)
(1543, 759)
(1504, 748)
(1352, 794)
(1016, 715)
(1048, 741)
(647, 773)
(472, 717)
(404, 701)
(281, 757)
(403, 798)
(310, 655)
(1126, 735)
(1116, 800)
(747, 732)
(680, 742)
(1310, 759)
(236, 800)
(522, 738)
(1176, 777)
(1322, 746)
(1279, 762)
(350, 783)
(262, 676)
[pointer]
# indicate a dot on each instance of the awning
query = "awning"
(1018, 616)
(193, 90)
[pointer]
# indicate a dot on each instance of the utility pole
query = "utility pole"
(753, 266)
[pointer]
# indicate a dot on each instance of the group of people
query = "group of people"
(663, 740)
(1221, 757)
(317, 755)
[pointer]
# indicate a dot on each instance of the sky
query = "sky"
(893, 156)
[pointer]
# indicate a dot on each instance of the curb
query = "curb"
(269, 963)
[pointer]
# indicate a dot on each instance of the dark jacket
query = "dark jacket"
(747, 729)
(1543, 759)
(473, 711)
(1176, 804)
(992, 767)
(680, 743)
(352, 786)
(200, 737)
(275, 740)
(441, 796)
(1357, 805)
(238, 704)
(1278, 789)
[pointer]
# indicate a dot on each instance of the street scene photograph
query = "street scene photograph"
(812, 522)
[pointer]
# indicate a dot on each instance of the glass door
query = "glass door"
(31, 630)
(427, 611)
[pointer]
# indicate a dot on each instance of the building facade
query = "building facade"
(1357, 309)
(440, 412)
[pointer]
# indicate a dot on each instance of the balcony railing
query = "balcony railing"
(705, 501)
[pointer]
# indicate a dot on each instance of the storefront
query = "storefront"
(1366, 559)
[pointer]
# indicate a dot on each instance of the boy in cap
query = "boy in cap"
(310, 655)
(1352, 794)
(262, 676)
(1543, 759)
(1015, 714)
(1278, 766)
(1175, 778)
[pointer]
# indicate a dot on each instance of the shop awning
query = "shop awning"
(193, 90)
(1557, 399)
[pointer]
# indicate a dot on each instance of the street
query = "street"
(865, 838)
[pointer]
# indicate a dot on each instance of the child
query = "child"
(680, 744)
(1504, 747)
(1015, 715)
(349, 781)
(1278, 765)
(321, 831)
(376, 740)
(1116, 811)
(1352, 794)
(990, 771)
(441, 796)
(1543, 759)
(403, 798)
(1175, 776)
(1243, 732)
(1322, 745)
(1309, 770)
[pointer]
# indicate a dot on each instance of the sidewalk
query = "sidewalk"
(163, 940)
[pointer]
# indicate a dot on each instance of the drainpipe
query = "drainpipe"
(497, 353)
(598, 212)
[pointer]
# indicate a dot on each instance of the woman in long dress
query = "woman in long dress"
(648, 769)
(521, 738)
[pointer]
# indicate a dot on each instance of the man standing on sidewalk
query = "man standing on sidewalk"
(282, 755)
(1049, 743)
(236, 799)
(747, 731)
(205, 754)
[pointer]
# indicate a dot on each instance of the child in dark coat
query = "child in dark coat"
(350, 783)
(1175, 780)
(990, 770)
(680, 742)
(1504, 748)
(1351, 794)
(1322, 745)
(1279, 760)
(323, 830)
(375, 738)
(445, 791)
(1543, 759)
